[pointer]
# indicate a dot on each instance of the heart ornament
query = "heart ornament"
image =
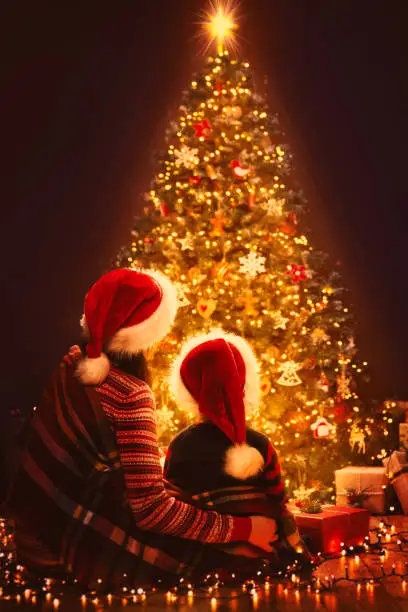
(205, 308)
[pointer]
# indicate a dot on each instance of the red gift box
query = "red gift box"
(326, 530)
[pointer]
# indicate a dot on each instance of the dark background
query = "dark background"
(86, 91)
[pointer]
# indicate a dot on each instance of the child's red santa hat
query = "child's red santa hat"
(126, 311)
(217, 373)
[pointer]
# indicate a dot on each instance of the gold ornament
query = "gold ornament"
(357, 439)
(195, 275)
(248, 301)
(205, 308)
(289, 376)
(211, 172)
(218, 224)
(182, 299)
(220, 270)
(343, 382)
(318, 336)
(271, 354)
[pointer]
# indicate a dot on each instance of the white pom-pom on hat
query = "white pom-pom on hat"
(243, 461)
(93, 371)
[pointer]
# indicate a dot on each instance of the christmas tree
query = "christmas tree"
(223, 219)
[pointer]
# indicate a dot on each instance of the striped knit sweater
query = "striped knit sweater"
(130, 406)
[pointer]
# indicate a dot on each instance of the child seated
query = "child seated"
(219, 462)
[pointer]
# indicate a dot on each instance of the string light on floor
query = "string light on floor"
(383, 540)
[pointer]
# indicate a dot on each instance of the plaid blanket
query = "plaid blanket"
(245, 500)
(68, 497)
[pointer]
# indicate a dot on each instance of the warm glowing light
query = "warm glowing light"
(219, 22)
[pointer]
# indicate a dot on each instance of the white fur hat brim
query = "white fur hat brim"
(132, 340)
(252, 386)
(136, 338)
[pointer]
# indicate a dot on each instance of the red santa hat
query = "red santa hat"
(217, 374)
(126, 311)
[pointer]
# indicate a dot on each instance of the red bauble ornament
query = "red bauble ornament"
(298, 273)
(288, 229)
(194, 180)
(202, 129)
(218, 86)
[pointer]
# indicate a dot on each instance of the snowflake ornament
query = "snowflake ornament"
(252, 264)
(273, 207)
(186, 157)
(289, 376)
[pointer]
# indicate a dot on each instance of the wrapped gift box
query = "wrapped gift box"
(403, 436)
(326, 530)
(371, 480)
(396, 467)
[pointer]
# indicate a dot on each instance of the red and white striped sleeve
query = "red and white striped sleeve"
(134, 423)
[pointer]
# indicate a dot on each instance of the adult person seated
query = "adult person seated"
(88, 498)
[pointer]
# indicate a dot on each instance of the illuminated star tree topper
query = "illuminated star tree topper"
(220, 23)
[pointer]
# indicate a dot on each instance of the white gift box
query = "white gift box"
(370, 480)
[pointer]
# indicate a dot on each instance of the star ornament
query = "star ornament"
(203, 129)
(297, 273)
(186, 244)
(279, 321)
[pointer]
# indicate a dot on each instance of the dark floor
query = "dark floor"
(391, 595)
